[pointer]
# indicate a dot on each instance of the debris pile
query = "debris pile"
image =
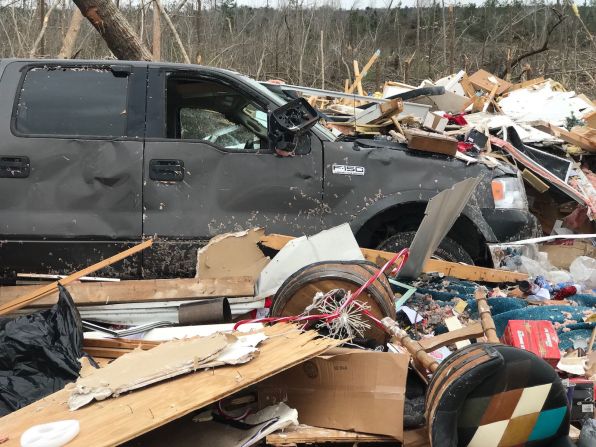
(549, 133)
(334, 350)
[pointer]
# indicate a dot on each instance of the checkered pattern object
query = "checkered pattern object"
(524, 404)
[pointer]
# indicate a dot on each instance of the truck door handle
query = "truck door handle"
(166, 170)
(13, 166)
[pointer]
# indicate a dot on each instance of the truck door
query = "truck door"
(209, 168)
(70, 165)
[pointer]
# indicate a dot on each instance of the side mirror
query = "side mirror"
(289, 121)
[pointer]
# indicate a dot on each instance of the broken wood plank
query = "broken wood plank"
(40, 292)
(574, 138)
(526, 84)
(307, 434)
(467, 86)
(431, 142)
(364, 71)
(454, 269)
(535, 181)
(484, 80)
(115, 421)
(133, 291)
(438, 341)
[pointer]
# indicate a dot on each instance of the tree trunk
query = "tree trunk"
(70, 38)
(114, 28)
(156, 32)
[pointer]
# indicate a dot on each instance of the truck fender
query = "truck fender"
(471, 210)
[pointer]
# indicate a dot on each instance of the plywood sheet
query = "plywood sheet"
(114, 421)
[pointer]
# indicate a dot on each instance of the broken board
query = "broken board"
(306, 434)
(100, 293)
(431, 142)
(114, 421)
(454, 269)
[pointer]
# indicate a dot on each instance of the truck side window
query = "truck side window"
(215, 113)
(72, 101)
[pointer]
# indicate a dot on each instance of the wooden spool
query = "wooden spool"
(298, 291)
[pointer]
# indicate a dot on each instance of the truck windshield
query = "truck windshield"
(280, 101)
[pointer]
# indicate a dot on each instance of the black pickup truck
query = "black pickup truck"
(97, 155)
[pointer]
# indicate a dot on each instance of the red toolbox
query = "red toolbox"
(538, 337)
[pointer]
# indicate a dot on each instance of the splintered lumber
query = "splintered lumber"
(454, 269)
(306, 434)
(588, 144)
(142, 290)
(117, 420)
(484, 80)
(40, 292)
(430, 344)
(364, 71)
(431, 142)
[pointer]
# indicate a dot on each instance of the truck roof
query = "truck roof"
(174, 65)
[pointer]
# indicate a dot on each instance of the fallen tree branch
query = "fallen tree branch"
(541, 49)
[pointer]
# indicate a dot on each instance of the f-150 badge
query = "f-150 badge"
(347, 170)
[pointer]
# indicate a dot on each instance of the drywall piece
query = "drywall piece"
(54, 434)
(141, 368)
(115, 421)
(541, 102)
(232, 254)
(440, 215)
(335, 244)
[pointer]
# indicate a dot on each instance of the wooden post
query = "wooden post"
(490, 331)
(413, 347)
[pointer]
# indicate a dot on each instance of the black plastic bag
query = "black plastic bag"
(39, 353)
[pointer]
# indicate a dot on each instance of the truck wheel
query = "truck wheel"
(448, 250)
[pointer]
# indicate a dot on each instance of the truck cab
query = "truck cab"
(97, 155)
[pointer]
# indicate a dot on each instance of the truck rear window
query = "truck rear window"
(73, 101)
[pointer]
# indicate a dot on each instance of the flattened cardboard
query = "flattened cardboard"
(362, 391)
(232, 254)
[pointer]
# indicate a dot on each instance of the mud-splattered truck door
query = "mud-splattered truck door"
(71, 164)
(209, 167)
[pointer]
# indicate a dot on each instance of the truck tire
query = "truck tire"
(448, 250)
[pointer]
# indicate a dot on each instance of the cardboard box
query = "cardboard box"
(538, 337)
(562, 252)
(435, 121)
(362, 391)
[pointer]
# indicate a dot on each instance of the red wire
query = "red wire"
(402, 256)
